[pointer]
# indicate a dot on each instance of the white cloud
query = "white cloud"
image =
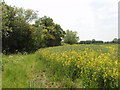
(106, 17)
(90, 18)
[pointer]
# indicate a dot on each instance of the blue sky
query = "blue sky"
(92, 19)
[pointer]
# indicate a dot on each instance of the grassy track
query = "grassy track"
(76, 66)
(17, 70)
(24, 71)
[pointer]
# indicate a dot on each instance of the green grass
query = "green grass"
(37, 71)
(24, 71)
(17, 70)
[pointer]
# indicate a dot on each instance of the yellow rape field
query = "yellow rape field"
(95, 65)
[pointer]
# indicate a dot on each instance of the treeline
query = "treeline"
(24, 31)
(114, 41)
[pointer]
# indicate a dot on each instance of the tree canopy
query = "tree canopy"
(18, 34)
(71, 37)
(23, 31)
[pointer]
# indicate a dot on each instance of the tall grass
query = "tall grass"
(17, 70)
(71, 66)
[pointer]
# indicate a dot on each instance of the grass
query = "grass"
(17, 70)
(58, 67)
(24, 71)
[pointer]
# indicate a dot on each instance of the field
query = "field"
(71, 66)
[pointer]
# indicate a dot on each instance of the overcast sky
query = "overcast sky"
(92, 19)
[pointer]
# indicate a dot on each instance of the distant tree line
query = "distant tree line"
(93, 41)
(23, 31)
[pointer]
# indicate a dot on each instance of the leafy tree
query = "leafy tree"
(93, 40)
(51, 33)
(16, 30)
(82, 42)
(118, 40)
(27, 15)
(18, 34)
(38, 35)
(71, 37)
(115, 40)
(8, 14)
(88, 42)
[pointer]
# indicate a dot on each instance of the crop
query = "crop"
(95, 65)
(71, 66)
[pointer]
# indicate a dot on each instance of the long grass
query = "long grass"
(17, 70)
(69, 66)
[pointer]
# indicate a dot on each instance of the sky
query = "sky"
(92, 19)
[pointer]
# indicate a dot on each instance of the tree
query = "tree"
(27, 15)
(93, 40)
(115, 40)
(17, 33)
(88, 42)
(82, 42)
(8, 14)
(51, 33)
(118, 40)
(71, 37)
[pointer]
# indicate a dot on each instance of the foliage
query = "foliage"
(19, 35)
(71, 37)
(71, 66)
(91, 42)
(115, 40)
(51, 32)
